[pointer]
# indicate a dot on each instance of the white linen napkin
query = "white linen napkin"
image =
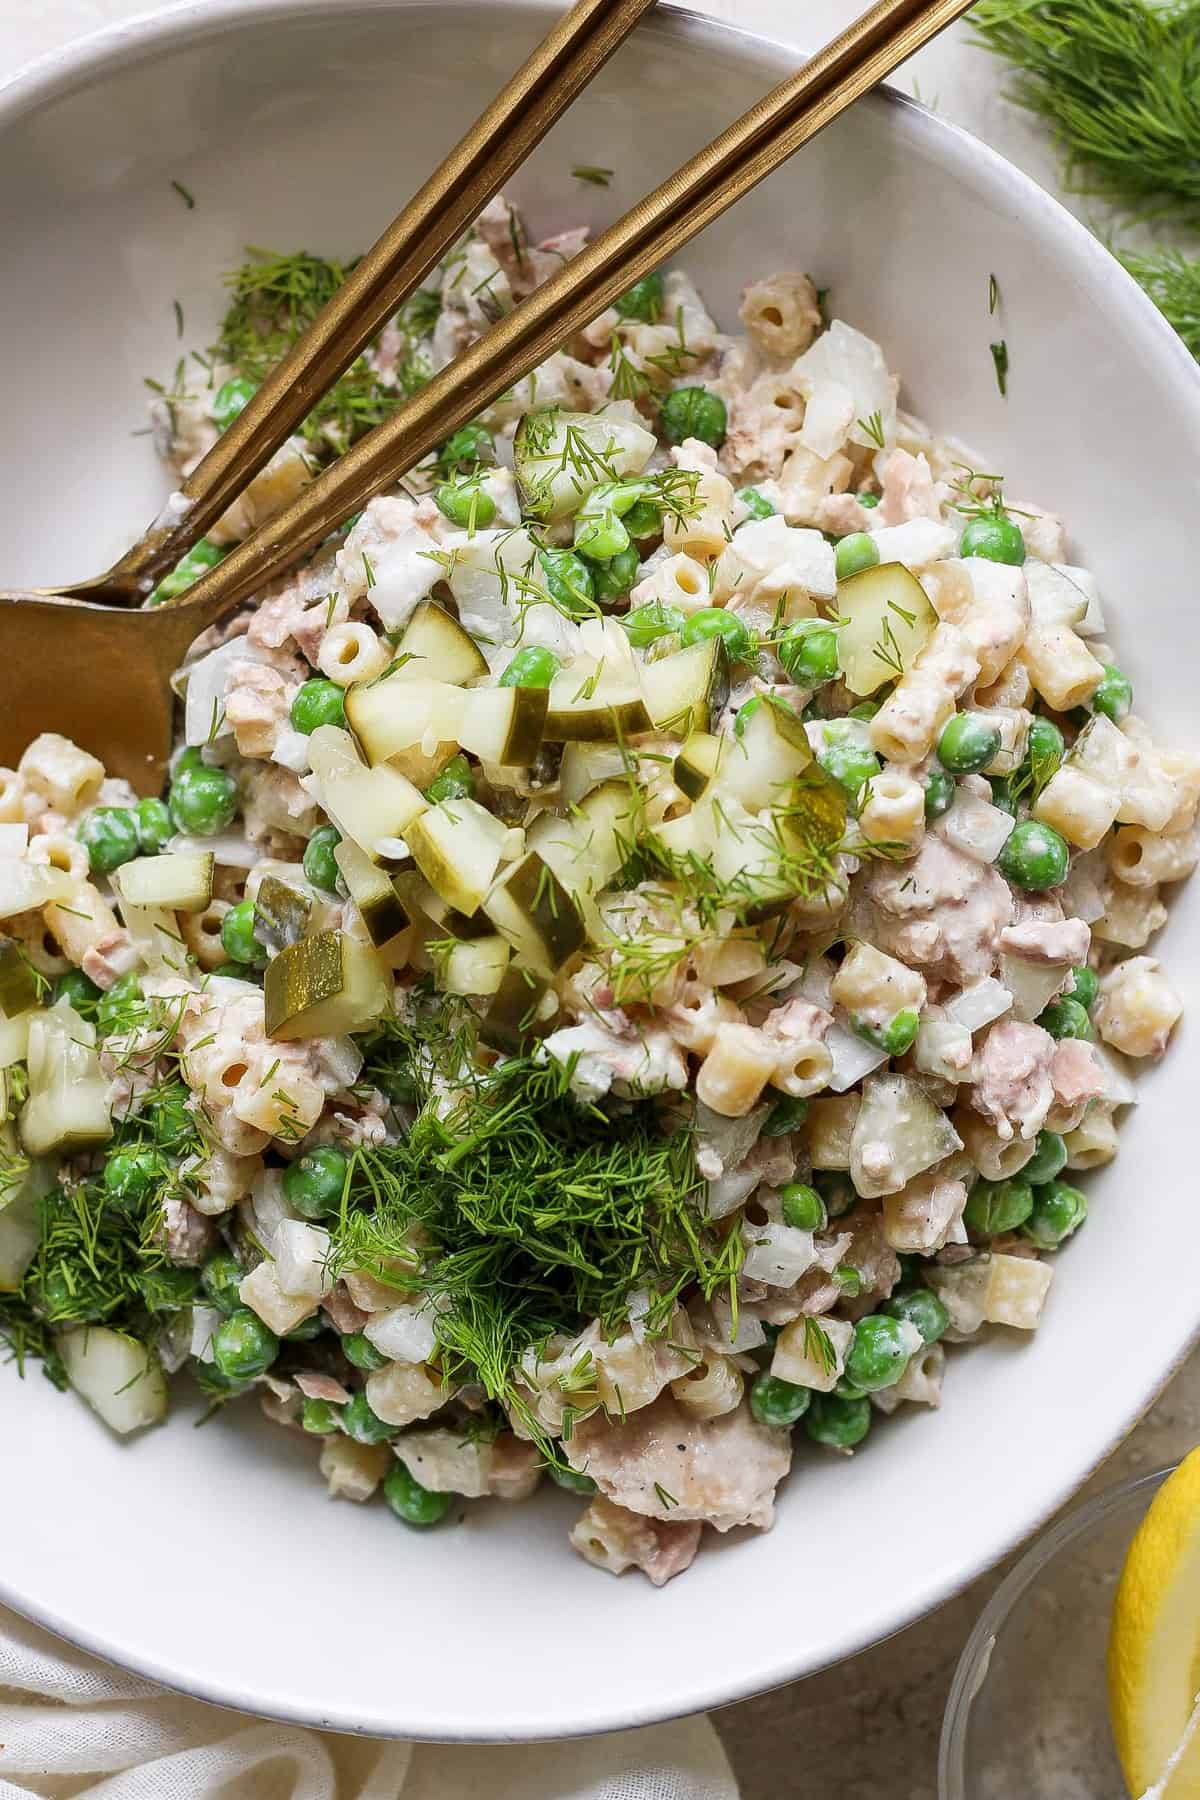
(73, 1728)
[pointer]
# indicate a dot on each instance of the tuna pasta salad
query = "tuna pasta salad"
(644, 937)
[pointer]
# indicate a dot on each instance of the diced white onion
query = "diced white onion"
(404, 1333)
(916, 543)
(301, 1255)
(1121, 1090)
(1032, 985)
(777, 1254)
(749, 1335)
(230, 849)
(726, 1194)
(205, 1320)
(852, 1057)
(976, 827)
(728, 1139)
(204, 685)
(979, 1004)
(291, 751)
(1082, 894)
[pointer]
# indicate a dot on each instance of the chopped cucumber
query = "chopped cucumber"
(530, 907)
(67, 1108)
(18, 982)
(121, 1379)
(697, 763)
(398, 714)
(324, 986)
(559, 457)
(438, 647)
(511, 1014)
(373, 891)
(769, 749)
(504, 725)
(25, 886)
(591, 705)
(458, 846)
(283, 915)
(475, 968)
(180, 881)
(887, 621)
(686, 690)
(365, 804)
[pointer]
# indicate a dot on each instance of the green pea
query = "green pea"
(845, 1389)
(776, 1402)
(993, 536)
(1114, 696)
(849, 1279)
(994, 1207)
(305, 1331)
(644, 300)
(870, 501)
(532, 667)
(110, 837)
(465, 503)
(168, 1289)
(803, 1207)
(153, 825)
(170, 1118)
(1045, 748)
(852, 763)
(968, 743)
(400, 1086)
(854, 553)
(1086, 986)
(1034, 857)
(1048, 1160)
(838, 1423)
(237, 934)
(319, 1417)
(1058, 1210)
(1002, 794)
(78, 991)
(1065, 1018)
(361, 1422)
(318, 702)
(415, 1504)
(939, 792)
(242, 1346)
(921, 1307)
(786, 1115)
(319, 863)
(569, 582)
(646, 624)
(615, 577)
(120, 1008)
(313, 1184)
(896, 1036)
(644, 520)
(361, 1352)
(231, 398)
(599, 536)
(716, 621)
(190, 757)
(236, 971)
(570, 1480)
(203, 801)
(836, 1190)
(200, 558)
(809, 653)
(757, 505)
(131, 1175)
(877, 1356)
(693, 412)
(454, 782)
(464, 448)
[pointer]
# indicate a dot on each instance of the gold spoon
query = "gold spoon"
(134, 653)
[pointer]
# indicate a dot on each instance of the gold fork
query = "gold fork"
(134, 652)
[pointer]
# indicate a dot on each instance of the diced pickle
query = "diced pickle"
(323, 986)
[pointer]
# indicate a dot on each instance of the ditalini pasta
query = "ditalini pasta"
(643, 936)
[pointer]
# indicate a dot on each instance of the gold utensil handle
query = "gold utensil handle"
(498, 143)
(652, 231)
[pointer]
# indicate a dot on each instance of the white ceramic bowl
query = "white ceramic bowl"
(211, 1559)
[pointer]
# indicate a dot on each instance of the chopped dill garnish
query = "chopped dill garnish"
(592, 174)
(178, 318)
(1118, 84)
(189, 199)
(522, 1211)
(873, 428)
(1173, 283)
(993, 294)
(1000, 363)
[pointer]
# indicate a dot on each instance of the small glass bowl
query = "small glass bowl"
(1027, 1717)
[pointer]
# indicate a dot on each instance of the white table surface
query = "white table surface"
(869, 1728)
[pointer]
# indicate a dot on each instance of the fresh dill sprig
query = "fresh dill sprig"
(522, 1211)
(1118, 83)
(1172, 281)
(592, 174)
(1000, 364)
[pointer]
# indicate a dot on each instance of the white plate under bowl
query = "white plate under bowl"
(211, 1559)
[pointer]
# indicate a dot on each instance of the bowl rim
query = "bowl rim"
(972, 1668)
(130, 42)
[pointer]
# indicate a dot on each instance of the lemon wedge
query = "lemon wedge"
(1154, 1648)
